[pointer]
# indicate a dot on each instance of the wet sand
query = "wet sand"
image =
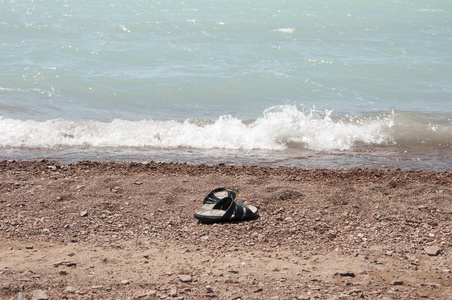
(126, 231)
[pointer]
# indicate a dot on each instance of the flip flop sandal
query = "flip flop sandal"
(226, 209)
(216, 195)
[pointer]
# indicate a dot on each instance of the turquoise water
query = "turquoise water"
(289, 77)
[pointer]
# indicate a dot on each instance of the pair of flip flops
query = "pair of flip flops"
(220, 206)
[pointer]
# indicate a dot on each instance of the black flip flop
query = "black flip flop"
(226, 209)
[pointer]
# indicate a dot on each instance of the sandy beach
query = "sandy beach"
(126, 231)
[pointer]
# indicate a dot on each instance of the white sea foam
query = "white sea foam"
(279, 128)
(285, 30)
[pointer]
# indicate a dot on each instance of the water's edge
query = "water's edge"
(364, 158)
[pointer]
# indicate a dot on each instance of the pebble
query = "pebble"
(20, 296)
(70, 289)
(397, 282)
(96, 287)
(82, 292)
(83, 213)
(355, 291)
(432, 250)
(39, 295)
(173, 292)
(209, 289)
(347, 273)
(146, 295)
(125, 282)
(185, 278)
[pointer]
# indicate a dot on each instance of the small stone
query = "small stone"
(347, 274)
(397, 282)
(83, 213)
(432, 250)
(62, 272)
(20, 296)
(125, 282)
(146, 295)
(29, 247)
(185, 278)
(82, 292)
(209, 289)
(70, 289)
(152, 293)
(39, 295)
(173, 292)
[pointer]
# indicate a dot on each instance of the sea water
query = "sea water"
(318, 84)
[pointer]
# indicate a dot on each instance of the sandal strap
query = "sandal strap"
(211, 199)
(228, 205)
(239, 211)
(234, 211)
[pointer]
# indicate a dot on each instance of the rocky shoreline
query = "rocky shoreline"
(104, 230)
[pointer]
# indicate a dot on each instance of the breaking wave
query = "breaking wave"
(278, 128)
